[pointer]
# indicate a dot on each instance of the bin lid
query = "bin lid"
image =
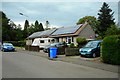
(53, 48)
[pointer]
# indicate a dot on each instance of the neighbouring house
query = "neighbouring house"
(69, 34)
(40, 39)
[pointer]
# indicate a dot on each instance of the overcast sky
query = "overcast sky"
(57, 13)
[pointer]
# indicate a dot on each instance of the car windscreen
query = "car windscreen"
(92, 44)
(7, 44)
(53, 44)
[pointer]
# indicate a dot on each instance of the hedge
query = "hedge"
(72, 51)
(111, 50)
(32, 48)
(60, 51)
(17, 43)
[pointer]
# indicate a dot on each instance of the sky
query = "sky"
(58, 14)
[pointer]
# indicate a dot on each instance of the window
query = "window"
(41, 41)
(69, 41)
(48, 40)
(53, 40)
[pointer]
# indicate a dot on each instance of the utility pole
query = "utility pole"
(28, 47)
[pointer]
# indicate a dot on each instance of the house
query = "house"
(69, 34)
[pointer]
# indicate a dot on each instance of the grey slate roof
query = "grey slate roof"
(34, 35)
(41, 34)
(67, 30)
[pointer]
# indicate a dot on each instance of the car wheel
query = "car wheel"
(81, 55)
(3, 50)
(93, 55)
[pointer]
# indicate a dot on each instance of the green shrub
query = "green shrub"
(99, 38)
(72, 45)
(111, 49)
(72, 51)
(81, 41)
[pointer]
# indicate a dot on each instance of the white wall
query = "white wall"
(28, 42)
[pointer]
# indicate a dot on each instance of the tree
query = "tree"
(0, 28)
(31, 29)
(26, 25)
(91, 20)
(18, 34)
(12, 30)
(105, 19)
(6, 29)
(41, 27)
(9, 28)
(25, 31)
(17, 30)
(36, 26)
(113, 30)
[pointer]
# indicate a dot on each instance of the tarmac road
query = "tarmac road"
(22, 65)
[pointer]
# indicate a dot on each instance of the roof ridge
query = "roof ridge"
(70, 26)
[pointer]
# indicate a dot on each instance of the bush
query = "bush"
(72, 51)
(111, 49)
(81, 41)
(72, 45)
(17, 43)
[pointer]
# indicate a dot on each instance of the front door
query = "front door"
(68, 40)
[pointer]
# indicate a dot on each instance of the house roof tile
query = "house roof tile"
(41, 34)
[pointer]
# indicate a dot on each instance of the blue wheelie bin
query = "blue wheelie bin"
(53, 53)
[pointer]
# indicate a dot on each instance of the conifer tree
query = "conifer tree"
(105, 19)
(26, 26)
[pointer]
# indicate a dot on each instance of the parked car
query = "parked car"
(7, 47)
(91, 49)
(58, 44)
